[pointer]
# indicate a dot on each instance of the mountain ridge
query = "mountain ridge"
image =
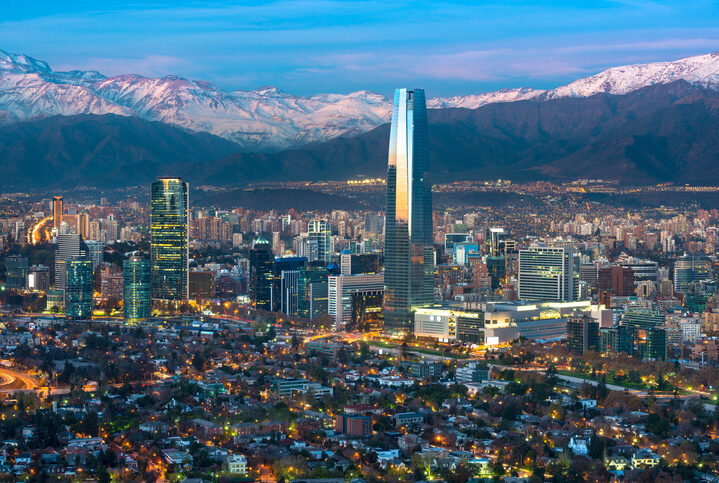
(269, 119)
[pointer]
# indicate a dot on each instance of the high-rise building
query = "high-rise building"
(286, 284)
(617, 281)
(351, 264)
(38, 278)
(57, 211)
(78, 288)
(548, 273)
(313, 290)
(69, 245)
(95, 251)
(690, 268)
(321, 230)
(169, 240)
(136, 290)
(343, 289)
(261, 263)
(497, 269)
(409, 251)
(17, 269)
(582, 334)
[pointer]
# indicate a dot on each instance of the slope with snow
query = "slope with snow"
(267, 118)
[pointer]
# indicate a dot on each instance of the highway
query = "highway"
(13, 381)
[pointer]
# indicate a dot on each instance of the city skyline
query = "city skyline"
(200, 284)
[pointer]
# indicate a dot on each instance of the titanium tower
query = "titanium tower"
(409, 257)
(169, 240)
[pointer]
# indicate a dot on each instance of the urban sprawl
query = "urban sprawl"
(147, 339)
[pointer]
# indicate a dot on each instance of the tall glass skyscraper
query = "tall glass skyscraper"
(78, 288)
(168, 247)
(409, 258)
(136, 290)
(261, 274)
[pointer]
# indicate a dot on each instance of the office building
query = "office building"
(313, 290)
(286, 273)
(69, 245)
(38, 278)
(582, 334)
(367, 312)
(355, 425)
(449, 323)
(690, 268)
(57, 212)
(615, 340)
(78, 288)
(497, 269)
(169, 239)
(495, 240)
(342, 289)
(321, 231)
(261, 275)
(548, 273)
(16, 268)
(409, 251)
(472, 372)
(644, 270)
(617, 281)
(95, 251)
(351, 264)
(453, 239)
(136, 290)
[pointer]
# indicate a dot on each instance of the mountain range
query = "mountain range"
(638, 124)
(268, 119)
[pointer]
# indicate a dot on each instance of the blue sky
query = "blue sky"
(306, 47)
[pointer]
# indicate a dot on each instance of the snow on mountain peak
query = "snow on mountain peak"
(267, 118)
(701, 69)
(21, 63)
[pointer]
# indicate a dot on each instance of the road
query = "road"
(14, 381)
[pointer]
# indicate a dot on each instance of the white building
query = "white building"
(236, 464)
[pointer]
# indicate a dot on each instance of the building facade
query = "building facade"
(136, 290)
(78, 288)
(342, 289)
(169, 239)
(548, 273)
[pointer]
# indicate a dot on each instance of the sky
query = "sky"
(308, 47)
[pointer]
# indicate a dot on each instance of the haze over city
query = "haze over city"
(330, 242)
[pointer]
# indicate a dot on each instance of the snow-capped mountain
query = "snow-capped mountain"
(702, 70)
(473, 101)
(264, 118)
(267, 118)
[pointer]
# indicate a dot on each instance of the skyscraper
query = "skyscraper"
(69, 246)
(261, 276)
(136, 290)
(548, 273)
(17, 269)
(57, 210)
(78, 288)
(690, 268)
(409, 254)
(168, 247)
(321, 230)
